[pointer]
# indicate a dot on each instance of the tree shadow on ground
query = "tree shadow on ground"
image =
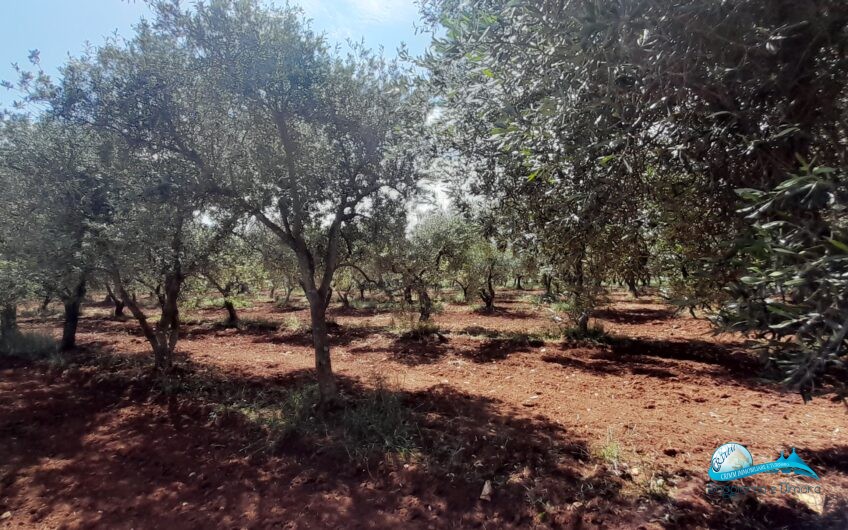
(339, 334)
(598, 365)
(412, 351)
(728, 357)
(634, 316)
(95, 448)
(497, 349)
(291, 308)
(130, 454)
(341, 311)
(835, 458)
(109, 324)
(504, 313)
(666, 359)
(691, 506)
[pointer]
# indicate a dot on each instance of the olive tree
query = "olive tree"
(278, 262)
(423, 260)
(322, 133)
(489, 266)
(14, 287)
(233, 268)
(165, 144)
(56, 192)
(647, 117)
(161, 234)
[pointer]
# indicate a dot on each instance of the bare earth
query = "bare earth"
(80, 448)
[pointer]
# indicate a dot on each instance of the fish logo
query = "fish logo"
(733, 461)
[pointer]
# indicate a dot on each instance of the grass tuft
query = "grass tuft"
(377, 424)
(292, 324)
(609, 451)
(258, 324)
(596, 333)
(421, 331)
(32, 346)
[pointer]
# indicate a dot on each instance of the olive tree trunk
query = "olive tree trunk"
(232, 315)
(425, 305)
(164, 336)
(8, 321)
(487, 292)
(116, 300)
(72, 302)
(321, 343)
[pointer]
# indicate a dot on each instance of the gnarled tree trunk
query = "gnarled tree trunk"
(232, 316)
(487, 292)
(547, 281)
(72, 302)
(344, 298)
(45, 303)
(8, 321)
(163, 338)
(425, 305)
(321, 343)
(464, 288)
(116, 300)
(583, 323)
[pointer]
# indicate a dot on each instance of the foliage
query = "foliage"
(277, 262)
(428, 254)
(29, 345)
(584, 143)
(233, 268)
(319, 134)
(620, 161)
(378, 424)
(373, 425)
(795, 292)
(422, 330)
(52, 232)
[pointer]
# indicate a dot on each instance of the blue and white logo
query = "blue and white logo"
(733, 461)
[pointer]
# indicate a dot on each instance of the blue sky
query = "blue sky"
(59, 27)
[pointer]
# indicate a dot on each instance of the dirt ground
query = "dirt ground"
(590, 435)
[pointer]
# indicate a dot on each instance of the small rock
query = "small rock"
(634, 471)
(486, 494)
(6, 515)
(531, 401)
(813, 501)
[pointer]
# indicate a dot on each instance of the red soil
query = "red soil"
(82, 449)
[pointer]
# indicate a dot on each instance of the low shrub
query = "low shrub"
(29, 345)
(293, 324)
(377, 424)
(372, 425)
(423, 331)
(595, 333)
(258, 324)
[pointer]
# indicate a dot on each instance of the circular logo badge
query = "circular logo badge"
(730, 457)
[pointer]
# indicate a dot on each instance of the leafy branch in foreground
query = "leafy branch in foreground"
(795, 294)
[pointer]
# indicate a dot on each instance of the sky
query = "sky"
(57, 28)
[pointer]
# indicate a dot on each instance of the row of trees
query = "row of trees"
(585, 142)
(624, 137)
(159, 146)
